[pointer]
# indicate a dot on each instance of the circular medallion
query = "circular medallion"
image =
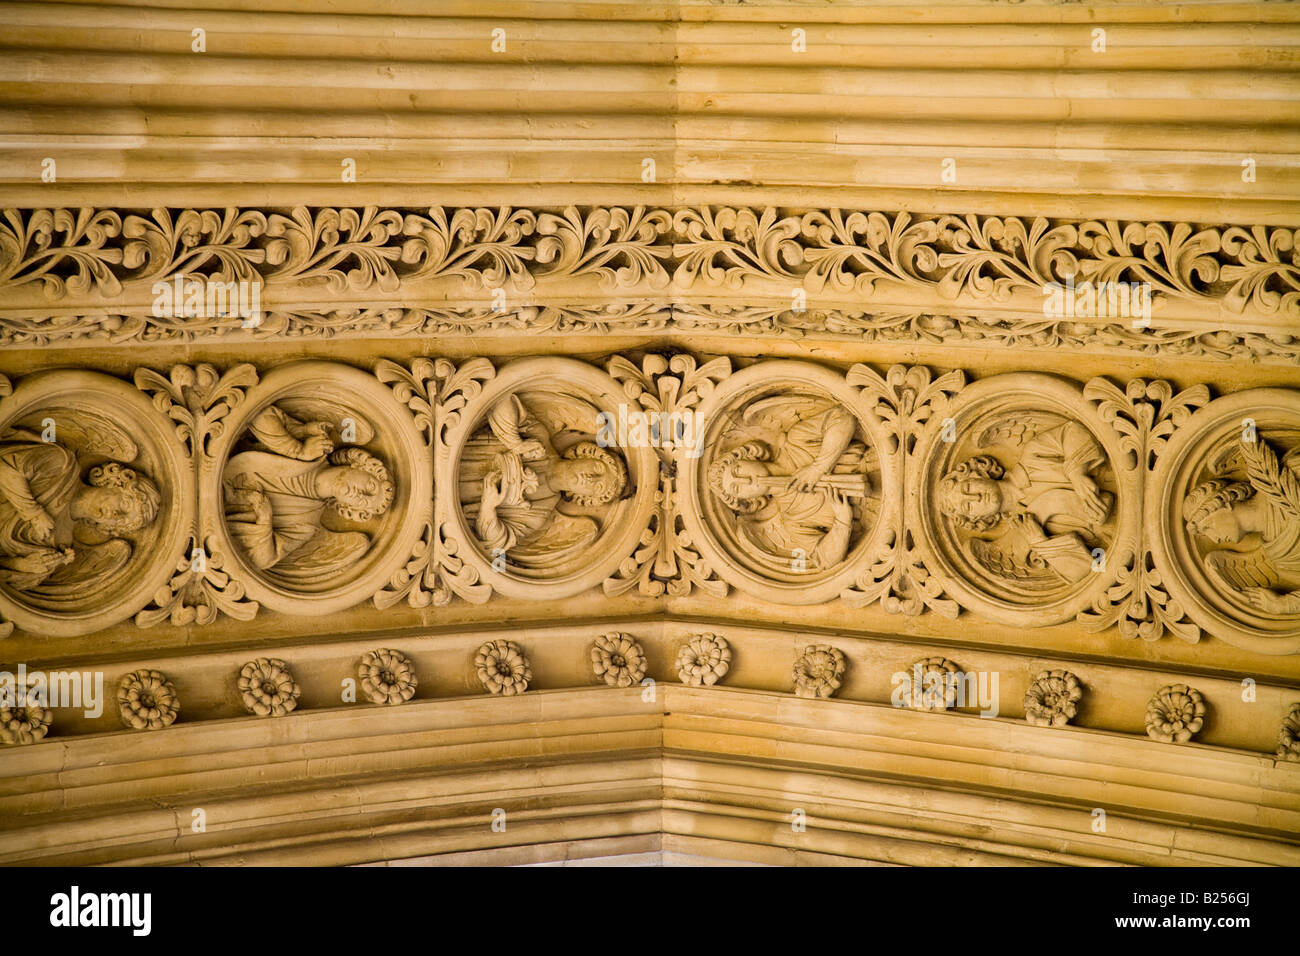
(548, 494)
(1017, 501)
(1227, 519)
(784, 501)
(97, 502)
(322, 484)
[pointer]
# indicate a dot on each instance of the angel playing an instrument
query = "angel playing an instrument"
(56, 529)
(532, 497)
(1262, 513)
(277, 493)
(798, 484)
(1050, 500)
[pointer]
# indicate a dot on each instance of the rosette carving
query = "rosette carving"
(1288, 735)
(618, 659)
(930, 683)
(818, 671)
(267, 687)
(1175, 714)
(703, 660)
(387, 676)
(147, 700)
(502, 668)
(1052, 700)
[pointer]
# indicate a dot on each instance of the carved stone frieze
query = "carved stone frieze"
(313, 487)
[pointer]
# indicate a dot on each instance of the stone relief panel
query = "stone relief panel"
(1228, 528)
(310, 488)
(784, 501)
(96, 501)
(541, 500)
(323, 482)
(1019, 499)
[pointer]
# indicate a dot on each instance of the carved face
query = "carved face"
(742, 479)
(973, 498)
(589, 477)
(1222, 526)
(117, 500)
(354, 489)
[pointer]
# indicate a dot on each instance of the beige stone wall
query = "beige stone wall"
(504, 239)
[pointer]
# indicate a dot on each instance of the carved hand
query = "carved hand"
(840, 507)
(806, 477)
(1270, 602)
(493, 492)
(42, 526)
(1094, 508)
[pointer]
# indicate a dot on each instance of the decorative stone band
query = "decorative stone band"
(111, 269)
(313, 487)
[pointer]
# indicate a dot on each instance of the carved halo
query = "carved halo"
(565, 396)
(713, 524)
(988, 568)
(100, 420)
(1208, 448)
(384, 431)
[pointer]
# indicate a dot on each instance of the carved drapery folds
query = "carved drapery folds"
(313, 487)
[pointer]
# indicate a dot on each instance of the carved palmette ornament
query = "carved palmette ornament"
(1227, 531)
(99, 507)
(321, 486)
(1017, 503)
(536, 493)
(784, 502)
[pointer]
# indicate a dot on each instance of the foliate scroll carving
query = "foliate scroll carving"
(904, 400)
(1227, 538)
(1019, 501)
(1175, 714)
(324, 484)
(435, 391)
(542, 501)
(670, 389)
(96, 502)
(850, 253)
(198, 399)
(1146, 415)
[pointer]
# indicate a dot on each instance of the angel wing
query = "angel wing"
(86, 432)
(563, 539)
(316, 409)
(1240, 569)
(1022, 565)
(321, 556)
(93, 566)
(561, 412)
(1016, 430)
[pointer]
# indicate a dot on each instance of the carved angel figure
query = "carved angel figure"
(1049, 498)
(798, 485)
(532, 497)
(278, 492)
(58, 532)
(1259, 519)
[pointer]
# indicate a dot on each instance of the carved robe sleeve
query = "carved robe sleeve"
(1066, 554)
(272, 428)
